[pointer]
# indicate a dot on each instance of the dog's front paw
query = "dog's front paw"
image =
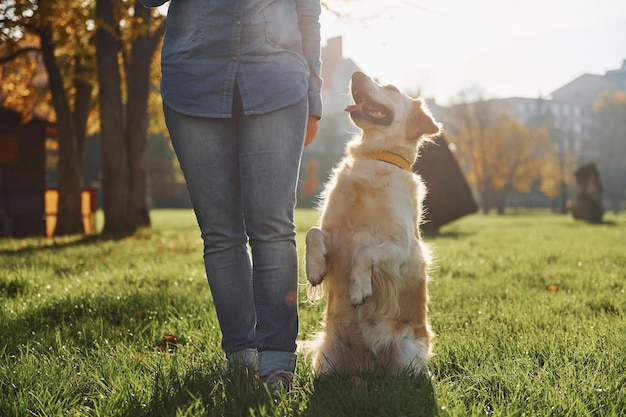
(315, 271)
(360, 291)
(315, 257)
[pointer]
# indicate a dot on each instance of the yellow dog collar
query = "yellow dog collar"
(391, 158)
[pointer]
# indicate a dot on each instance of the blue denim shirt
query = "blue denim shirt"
(270, 48)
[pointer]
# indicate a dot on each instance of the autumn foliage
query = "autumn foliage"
(85, 65)
(499, 155)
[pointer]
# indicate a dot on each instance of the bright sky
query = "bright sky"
(504, 48)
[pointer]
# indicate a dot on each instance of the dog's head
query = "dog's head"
(390, 119)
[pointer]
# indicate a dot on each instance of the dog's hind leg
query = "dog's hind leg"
(409, 355)
(315, 256)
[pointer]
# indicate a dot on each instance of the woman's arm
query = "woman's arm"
(309, 23)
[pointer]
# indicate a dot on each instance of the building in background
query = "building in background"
(335, 130)
(567, 112)
(570, 107)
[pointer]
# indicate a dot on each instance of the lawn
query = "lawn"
(528, 309)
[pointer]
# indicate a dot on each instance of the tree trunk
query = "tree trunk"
(69, 217)
(486, 196)
(485, 200)
(500, 199)
(82, 102)
(114, 155)
(138, 85)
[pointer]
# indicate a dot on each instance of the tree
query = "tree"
(126, 39)
(22, 74)
(469, 132)
(609, 133)
(557, 179)
(520, 157)
(499, 154)
(60, 32)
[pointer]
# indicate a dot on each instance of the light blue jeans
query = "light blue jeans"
(242, 175)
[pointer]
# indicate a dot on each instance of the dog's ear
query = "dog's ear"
(421, 122)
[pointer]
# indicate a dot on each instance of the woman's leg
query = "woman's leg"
(207, 150)
(269, 160)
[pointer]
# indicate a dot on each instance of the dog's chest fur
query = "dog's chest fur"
(372, 202)
(372, 195)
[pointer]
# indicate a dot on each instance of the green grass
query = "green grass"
(82, 325)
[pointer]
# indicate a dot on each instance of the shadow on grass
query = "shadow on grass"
(88, 319)
(211, 393)
(189, 384)
(408, 394)
(601, 223)
(448, 234)
(610, 223)
(33, 245)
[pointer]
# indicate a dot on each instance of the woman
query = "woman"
(241, 95)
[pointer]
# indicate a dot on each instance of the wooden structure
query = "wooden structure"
(449, 196)
(22, 174)
(27, 206)
(88, 208)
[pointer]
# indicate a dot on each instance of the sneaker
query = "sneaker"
(277, 382)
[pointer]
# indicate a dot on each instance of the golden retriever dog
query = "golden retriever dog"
(367, 248)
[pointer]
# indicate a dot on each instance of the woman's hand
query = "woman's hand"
(311, 129)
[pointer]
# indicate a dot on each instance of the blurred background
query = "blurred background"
(528, 92)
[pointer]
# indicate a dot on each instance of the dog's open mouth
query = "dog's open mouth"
(366, 109)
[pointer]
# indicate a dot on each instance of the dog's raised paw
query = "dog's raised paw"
(314, 274)
(360, 293)
(315, 256)
(357, 301)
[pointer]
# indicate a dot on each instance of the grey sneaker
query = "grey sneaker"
(277, 382)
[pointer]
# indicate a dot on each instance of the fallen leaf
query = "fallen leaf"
(553, 287)
(169, 343)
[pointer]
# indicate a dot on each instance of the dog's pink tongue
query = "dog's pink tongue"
(354, 107)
